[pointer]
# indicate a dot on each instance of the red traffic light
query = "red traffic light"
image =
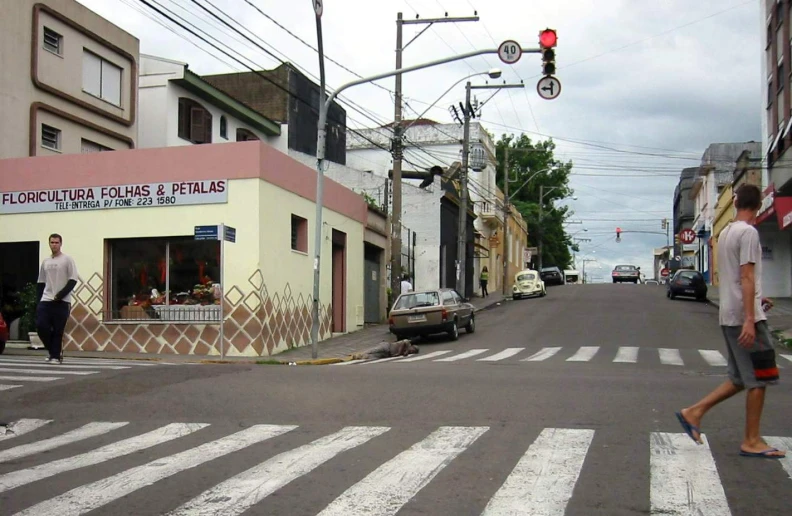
(548, 38)
(618, 230)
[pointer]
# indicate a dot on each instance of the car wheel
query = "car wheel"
(515, 297)
(471, 326)
(671, 295)
(614, 282)
(453, 333)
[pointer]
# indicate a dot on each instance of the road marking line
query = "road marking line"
(683, 477)
(670, 357)
(543, 480)
(713, 357)
(31, 378)
(783, 444)
(241, 492)
(39, 371)
(541, 355)
(103, 454)
(19, 363)
(379, 360)
(349, 362)
(390, 486)
(462, 356)
(584, 354)
(38, 359)
(23, 426)
(788, 357)
(79, 434)
(97, 494)
(8, 387)
(427, 356)
(506, 353)
(627, 355)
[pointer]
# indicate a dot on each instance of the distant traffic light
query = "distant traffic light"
(618, 234)
(548, 39)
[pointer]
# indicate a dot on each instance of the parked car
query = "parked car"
(428, 312)
(3, 334)
(552, 275)
(687, 283)
(528, 283)
(622, 273)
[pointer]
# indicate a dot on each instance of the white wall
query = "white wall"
(777, 272)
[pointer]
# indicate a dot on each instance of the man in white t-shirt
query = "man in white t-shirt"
(744, 325)
(406, 286)
(57, 278)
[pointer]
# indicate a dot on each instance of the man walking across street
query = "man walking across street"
(751, 362)
(57, 278)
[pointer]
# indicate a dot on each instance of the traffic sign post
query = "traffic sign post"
(664, 273)
(222, 233)
(687, 236)
(509, 52)
(549, 88)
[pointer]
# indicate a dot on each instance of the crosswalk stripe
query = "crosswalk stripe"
(783, 444)
(30, 378)
(506, 353)
(684, 478)
(390, 486)
(584, 354)
(670, 357)
(79, 434)
(541, 355)
(626, 355)
(713, 357)
(348, 362)
(22, 426)
(239, 493)
(427, 356)
(103, 454)
(788, 357)
(38, 359)
(39, 371)
(379, 360)
(8, 387)
(92, 496)
(67, 365)
(462, 356)
(543, 480)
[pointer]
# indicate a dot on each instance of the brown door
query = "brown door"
(339, 281)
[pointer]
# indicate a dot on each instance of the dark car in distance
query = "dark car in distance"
(552, 275)
(687, 283)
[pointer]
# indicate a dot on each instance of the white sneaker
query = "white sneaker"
(48, 360)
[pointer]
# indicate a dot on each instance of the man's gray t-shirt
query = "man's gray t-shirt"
(55, 272)
(738, 245)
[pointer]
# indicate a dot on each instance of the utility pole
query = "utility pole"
(463, 194)
(320, 155)
(397, 145)
(506, 213)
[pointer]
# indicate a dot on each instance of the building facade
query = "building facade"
(149, 285)
(684, 215)
(68, 83)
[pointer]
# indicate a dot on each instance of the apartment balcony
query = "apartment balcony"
(491, 214)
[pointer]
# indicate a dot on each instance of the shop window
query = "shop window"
(101, 78)
(223, 127)
(53, 41)
(174, 279)
(245, 135)
(195, 121)
(299, 234)
(50, 137)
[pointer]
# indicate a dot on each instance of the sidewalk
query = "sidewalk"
(779, 318)
(330, 349)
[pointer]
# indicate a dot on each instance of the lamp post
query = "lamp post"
(542, 192)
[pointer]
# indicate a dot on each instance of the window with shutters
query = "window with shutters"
(245, 135)
(195, 121)
(223, 127)
(299, 234)
(50, 137)
(52, 41)
(101, 78)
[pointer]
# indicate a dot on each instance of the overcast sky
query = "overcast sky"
(646, 85)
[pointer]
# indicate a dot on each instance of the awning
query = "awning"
(776, 207)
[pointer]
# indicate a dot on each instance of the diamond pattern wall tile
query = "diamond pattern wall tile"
(96, 305)
(95, 282)
(84, 294)
(252, 301)
(234, 295)
(256, 279)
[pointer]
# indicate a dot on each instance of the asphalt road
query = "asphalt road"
(569, 409)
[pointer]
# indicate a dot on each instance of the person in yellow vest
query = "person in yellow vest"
(483, 280)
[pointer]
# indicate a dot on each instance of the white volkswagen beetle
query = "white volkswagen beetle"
(528, 283)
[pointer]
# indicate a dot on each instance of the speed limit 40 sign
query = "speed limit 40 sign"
(510, 52)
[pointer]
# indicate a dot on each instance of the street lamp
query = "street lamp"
(542, 192)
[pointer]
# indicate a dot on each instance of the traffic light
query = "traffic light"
(548, 39)
(618, 234)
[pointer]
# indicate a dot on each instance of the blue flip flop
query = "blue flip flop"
(689, 429)
(762, 454)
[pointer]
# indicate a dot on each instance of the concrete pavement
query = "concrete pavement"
(779, 318)
(591, 436)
